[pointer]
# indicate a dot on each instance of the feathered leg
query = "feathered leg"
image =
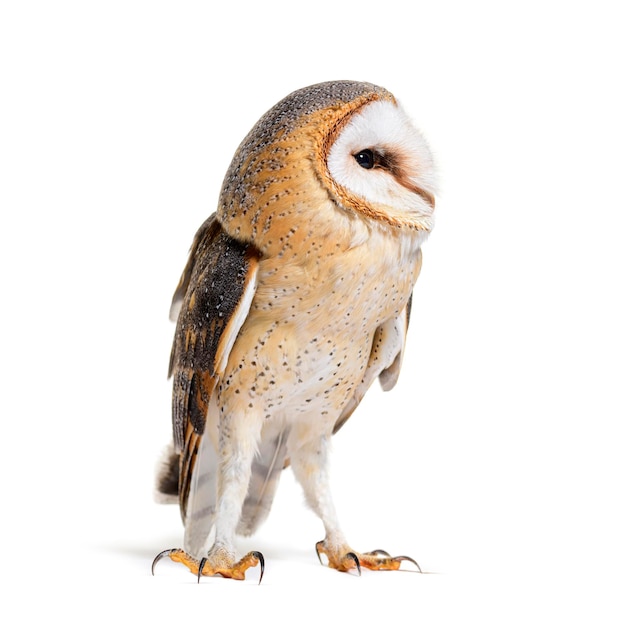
(237, 445)
(310, 466)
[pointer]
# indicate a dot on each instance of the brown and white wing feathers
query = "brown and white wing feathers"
(214, 297)
(384, 362)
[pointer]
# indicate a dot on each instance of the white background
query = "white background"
(497, 461)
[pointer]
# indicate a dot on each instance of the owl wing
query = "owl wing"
(385, 358)
(211, 303)
(384, 362)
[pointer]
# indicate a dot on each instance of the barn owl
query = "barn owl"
(295, 298)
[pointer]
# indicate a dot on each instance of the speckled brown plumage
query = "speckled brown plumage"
(295, 298)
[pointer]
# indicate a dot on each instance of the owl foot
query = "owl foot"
(218, 561)
(343, 558)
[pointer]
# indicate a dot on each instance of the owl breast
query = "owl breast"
(307, 340)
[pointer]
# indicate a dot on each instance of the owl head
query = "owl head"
(342, 146)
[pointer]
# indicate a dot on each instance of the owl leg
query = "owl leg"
(237, 447)
(310, 467)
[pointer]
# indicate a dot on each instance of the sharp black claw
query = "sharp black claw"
(160, 555)
(201, 567)
(261, 560)
(355, 558)
(317, 551)
(408, 558)
(379, 552)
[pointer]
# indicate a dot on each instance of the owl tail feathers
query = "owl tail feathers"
(166, 492)
(266, 470)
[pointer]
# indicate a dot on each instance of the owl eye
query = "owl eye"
(365, 158)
